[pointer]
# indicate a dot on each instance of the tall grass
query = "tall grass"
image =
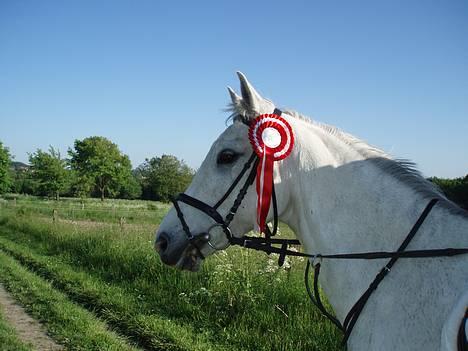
(239, 300)
(121, 310)
(71, 325)
(135, 211)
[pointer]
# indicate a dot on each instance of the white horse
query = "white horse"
(341, 195)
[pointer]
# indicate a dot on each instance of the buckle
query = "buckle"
(317, 259)
(226, 230)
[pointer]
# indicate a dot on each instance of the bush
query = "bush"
(455, 189)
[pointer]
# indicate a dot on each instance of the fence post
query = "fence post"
(14, 201)
(122, 222)
(55, 215)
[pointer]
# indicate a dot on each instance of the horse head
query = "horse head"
(222, 166)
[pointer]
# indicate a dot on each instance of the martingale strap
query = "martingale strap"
(462, 337)
(356, 310)
(261, 244)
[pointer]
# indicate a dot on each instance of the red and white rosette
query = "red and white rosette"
(272, 139)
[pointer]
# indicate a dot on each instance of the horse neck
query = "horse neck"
(341, 202)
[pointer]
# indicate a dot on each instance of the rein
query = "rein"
(271, 245)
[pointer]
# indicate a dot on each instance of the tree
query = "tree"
(5, 161)
(50, 171)
(23, 181)
(99, 162)
(80, 186)
(455, 189)
(163, 176)
(131, 189)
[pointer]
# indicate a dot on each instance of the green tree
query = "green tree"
(5, 161)
(99, 162)
(131, 189)
(455, 189)
(80, 186)
(163, 176)
(50, 171)
(24, 182)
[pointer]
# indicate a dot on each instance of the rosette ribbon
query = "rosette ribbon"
(272, 139)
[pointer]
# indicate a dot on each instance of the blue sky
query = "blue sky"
(151, 75)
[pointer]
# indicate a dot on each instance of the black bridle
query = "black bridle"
(281, 246)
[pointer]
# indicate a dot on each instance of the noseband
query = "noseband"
(281, 246)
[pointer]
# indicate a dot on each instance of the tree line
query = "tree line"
(455, 189)
(95, 167)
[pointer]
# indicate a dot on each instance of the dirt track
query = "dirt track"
(28, 329)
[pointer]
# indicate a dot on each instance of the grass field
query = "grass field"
(97, 284)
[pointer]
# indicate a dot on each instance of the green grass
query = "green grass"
(9, 340)
(239, 300)
(68, 323)
(108, 211)
(118, 307)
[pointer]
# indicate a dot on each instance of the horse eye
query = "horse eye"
(226, 157)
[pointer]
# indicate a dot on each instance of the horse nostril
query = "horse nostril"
(162, 242)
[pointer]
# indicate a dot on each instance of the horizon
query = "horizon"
(151, 77)
(134, 167)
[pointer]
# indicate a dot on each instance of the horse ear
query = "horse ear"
(236, 99)
(250, 96)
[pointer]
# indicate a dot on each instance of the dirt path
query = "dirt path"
(28, 329)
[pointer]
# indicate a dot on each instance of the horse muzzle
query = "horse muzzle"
(178, 251)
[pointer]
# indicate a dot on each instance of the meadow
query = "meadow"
(88, 271)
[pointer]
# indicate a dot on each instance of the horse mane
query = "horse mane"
(403, 170)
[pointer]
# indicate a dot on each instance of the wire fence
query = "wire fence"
(75, 210)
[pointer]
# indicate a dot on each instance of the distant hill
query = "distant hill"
(19, 166)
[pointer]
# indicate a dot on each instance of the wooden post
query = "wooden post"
(122, 222)
(14, 201)
(55, 215)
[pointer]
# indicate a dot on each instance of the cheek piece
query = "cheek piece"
(265, 141)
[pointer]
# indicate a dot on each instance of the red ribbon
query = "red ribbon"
(264, 187)
(268, 155)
